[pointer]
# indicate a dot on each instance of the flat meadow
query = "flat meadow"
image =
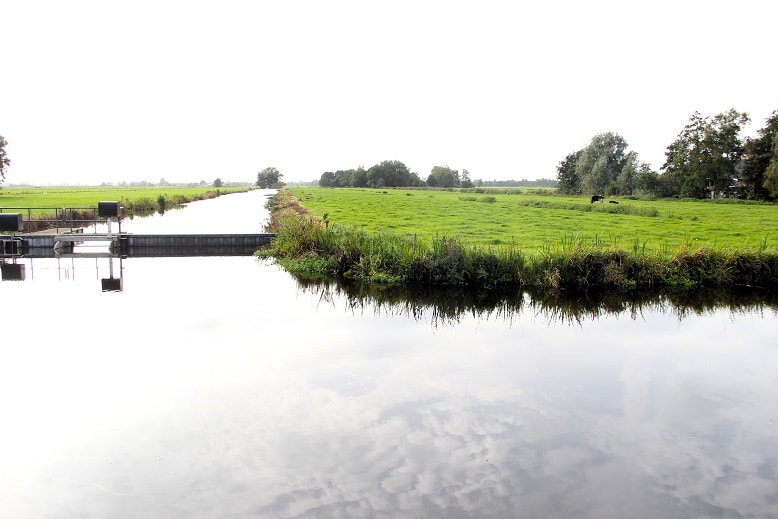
(538, 220)
(44, 200)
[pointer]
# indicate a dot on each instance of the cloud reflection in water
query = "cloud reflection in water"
(245, 397)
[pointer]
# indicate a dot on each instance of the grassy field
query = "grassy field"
(495, 240)
(45, 199)
(533, 221)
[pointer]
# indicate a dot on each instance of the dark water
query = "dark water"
(220, 387)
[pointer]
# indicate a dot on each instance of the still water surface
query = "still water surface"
(219, 387)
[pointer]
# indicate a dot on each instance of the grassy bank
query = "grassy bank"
(312, 247)
(41, 203)
(532, 221)
(133, 199)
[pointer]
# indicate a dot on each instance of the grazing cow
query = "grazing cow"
(612, 202)
(597, 198)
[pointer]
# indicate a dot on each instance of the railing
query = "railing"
(63, 219)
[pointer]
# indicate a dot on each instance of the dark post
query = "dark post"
(108, 210)
(12, 271)
(11, 222)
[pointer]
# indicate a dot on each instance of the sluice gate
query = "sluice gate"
(66, 237)
(132, 245)
(139, 245)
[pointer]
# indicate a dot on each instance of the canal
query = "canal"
(205, 387)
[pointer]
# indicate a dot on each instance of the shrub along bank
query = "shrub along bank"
(311, 248)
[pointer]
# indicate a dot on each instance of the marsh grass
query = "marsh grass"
(312, 250)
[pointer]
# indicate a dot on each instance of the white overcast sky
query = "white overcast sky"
(190, 90)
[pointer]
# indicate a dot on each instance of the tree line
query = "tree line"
(389, 173)
(708, 159)
(393, 173)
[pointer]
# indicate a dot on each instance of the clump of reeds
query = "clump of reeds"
(589, 207)
(141, 206)
(314, 249)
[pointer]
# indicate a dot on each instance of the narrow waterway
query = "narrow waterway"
(220, 387)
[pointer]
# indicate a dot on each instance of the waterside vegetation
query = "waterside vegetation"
(496, 239)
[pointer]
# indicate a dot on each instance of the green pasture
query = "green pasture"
(533, 221)
(45, 199)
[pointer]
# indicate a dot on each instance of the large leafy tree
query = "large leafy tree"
(770, 182)
(601, 162)
(269, 177)
(683, 157)
(342, 178)
(464, 179)
(647, 182)
(4, 160)
(624, 182)
(706, 154)
(391, 173)
(595, 168)
(443, 176)
(358, 177)
(569, 183)
(604, 167)
(327, 179)
(760, 177)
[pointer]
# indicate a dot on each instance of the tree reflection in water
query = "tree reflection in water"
(447, 306)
